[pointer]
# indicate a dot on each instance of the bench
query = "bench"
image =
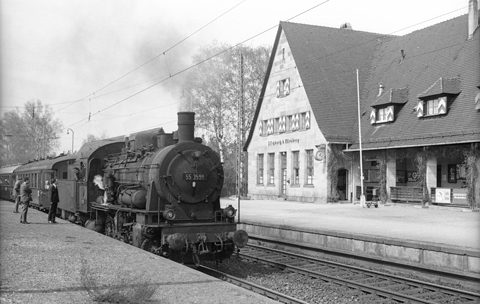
(408, 194)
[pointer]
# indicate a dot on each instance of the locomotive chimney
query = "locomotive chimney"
(186, 126)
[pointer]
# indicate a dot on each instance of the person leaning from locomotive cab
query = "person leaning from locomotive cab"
(54, 199)
(26, 198)
(76, 173)
(79, 173)
(16, 192)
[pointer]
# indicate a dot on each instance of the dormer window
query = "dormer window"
(387, 104)
(434, 100)
(283, 88)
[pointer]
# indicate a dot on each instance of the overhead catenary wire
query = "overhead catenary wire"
(155, 57)
(202, 61)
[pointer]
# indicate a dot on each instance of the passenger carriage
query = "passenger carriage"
(7, 182)
(40, 174)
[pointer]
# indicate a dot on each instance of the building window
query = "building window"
(295, 168)
(305, 121)
(271, 168)
(437, 106)
(288, 124)
(283, 88)
(276, 126)
(309, 167)
(260, 169)
(382, 115)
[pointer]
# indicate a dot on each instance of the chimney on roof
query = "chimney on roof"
(346, 26)
(380, 89)
(472, 17)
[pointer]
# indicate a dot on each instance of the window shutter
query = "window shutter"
(419, 108)
(390, 113)
(373, 116)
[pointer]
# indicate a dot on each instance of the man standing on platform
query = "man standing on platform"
(26, 197)
(54, 199)
(16, 193)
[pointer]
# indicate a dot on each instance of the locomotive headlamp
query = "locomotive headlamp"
(169, 214)
(229, 211)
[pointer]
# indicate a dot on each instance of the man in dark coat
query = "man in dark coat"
(16, 193)
(26, 197)
(54, 199)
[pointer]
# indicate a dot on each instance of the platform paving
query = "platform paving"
(440, 226)
(42, 263)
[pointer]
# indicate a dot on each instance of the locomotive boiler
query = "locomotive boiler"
(162, 193)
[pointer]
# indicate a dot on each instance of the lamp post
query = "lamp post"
(73, 136)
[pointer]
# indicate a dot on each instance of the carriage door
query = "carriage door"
(283, 173)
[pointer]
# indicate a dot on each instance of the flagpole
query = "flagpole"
(362, 195)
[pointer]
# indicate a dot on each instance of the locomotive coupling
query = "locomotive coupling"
(176, 241)
(239, 238)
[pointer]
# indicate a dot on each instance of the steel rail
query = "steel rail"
(272, 294)
(419, 288)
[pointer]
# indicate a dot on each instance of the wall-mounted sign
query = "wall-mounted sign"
(283, 142)
(442, 196)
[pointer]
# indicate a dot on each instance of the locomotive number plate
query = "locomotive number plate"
(194, 176)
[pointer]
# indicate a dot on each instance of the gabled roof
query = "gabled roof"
(327, 59)
(442, 86)
(392, 96)
(436, 60)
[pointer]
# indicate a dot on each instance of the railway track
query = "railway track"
(371, 285)
(251, 286)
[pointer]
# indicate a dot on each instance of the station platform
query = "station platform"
(45, 263)
(437, 238)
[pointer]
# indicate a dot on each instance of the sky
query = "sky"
(114, 67)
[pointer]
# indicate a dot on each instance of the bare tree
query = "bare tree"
(91, 137)
(214, 89)
(29, 134)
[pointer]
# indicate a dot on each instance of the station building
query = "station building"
(418, 99)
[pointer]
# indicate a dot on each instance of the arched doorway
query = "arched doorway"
(342, 184)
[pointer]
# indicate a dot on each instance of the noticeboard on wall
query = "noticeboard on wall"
(443, 195)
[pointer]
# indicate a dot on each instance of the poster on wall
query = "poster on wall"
(401, 176)
(461, 172)
(412, 176)
(442, 196)
(452, 173)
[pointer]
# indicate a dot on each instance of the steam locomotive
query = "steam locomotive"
(157, 191)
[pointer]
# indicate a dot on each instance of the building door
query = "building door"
(283, 173)
(342, 184)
